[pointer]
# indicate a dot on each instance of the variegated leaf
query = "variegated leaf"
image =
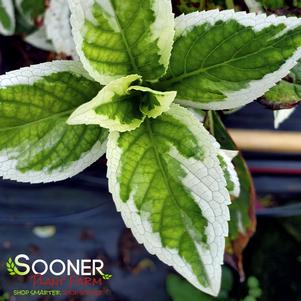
(115, 38)
(36, 144)
(222, 59)
(168, 185)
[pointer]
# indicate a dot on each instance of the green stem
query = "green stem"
(210, 122)
(229, 4)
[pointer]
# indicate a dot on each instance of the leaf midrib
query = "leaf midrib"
(125, 41)
(163, 170)
(168, 82)
(57, 115)
(164, 175)
(159, 161)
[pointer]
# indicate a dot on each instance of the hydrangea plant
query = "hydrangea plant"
(134, 93)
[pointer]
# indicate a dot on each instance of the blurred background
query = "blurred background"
(77, 218)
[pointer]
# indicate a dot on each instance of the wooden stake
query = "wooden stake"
(267, 141)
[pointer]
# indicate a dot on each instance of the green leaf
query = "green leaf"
(154, 103)
(296, 73)
(287, 93)
(284, 95)
(30, 10)
(223, 60)
(122, 107)
(253, 282)
(167, 183)
(242, 210)
(181, 290)
(7, 17)
(273, 4)
(115, 38)
(36, 144)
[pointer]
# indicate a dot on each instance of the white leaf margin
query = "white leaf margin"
(9, 8)
(282, 115)
(85, 114)
(162, 29)
(28, 76)
(58, 27)
(39, 39)
(206, 182)
(254, 6)
(256, 88)
(228, 156)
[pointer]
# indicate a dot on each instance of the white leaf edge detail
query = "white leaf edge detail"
(9, 8)
(164, 98)
(256, 88)
(228, 156)
(85, 114)
(39, 39)
(28, 76)
(58, 27)
(282, 115)
(198, 113)
(254, 6)
(231, 153)
(208, 182)
(163, 31)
